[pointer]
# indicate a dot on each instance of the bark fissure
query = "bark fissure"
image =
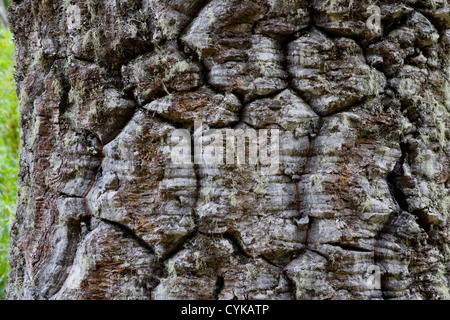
(130, 233)
(220, 283)
(349, 247)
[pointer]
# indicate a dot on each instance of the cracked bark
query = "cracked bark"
(364, 157)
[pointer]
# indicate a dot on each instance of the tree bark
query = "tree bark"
(360, 94)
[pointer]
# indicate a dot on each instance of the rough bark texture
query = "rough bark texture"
(364, 173)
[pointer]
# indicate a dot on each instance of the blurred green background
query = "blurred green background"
(9, 149)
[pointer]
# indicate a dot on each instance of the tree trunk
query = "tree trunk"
(359, 95)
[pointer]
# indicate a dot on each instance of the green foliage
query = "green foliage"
(9, 150)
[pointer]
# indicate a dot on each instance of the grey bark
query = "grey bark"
(364, 174)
